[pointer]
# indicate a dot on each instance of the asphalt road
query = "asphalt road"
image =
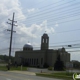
(5, 75)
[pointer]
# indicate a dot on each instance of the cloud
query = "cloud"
(56, 25)
(6, 11)
(32, 10)
(23, 33)
(48, 29)
(34, 30)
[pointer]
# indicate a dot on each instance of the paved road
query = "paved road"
(5, 75)
(37, 70)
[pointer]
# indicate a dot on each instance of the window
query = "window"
(43, 40)
(37, 61)
(41, 60)
(46, 40)
(32, 61)
(28, 60)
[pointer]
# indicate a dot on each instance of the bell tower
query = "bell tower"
(44, 42)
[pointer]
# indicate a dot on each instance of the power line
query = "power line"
(70, 1)
(68, 49)
(64, 22)
(48, 5)
(53, 33)
(40, 8)
(59, 18)
(66, 45)
(55, 9)
(74, 51)
(58, 12)
(66, 42)
(4, 49)
(52, 16)
(51, 4)
(68, 31)
(37, 3)
(71, 15)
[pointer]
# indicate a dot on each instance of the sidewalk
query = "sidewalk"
(23, 72)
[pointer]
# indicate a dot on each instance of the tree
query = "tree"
(45, 65)
(59, 65)
(6, 58)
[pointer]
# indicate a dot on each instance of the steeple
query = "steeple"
(44, 41)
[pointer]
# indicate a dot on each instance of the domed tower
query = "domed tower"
(27, 46)
(44, 41)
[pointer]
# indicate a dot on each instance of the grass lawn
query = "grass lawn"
(4, 68)
(63, 75)
(18, 68)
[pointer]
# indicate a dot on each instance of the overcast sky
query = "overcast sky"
(59, 18)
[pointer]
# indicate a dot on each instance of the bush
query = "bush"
(50, 68)
(45, 65)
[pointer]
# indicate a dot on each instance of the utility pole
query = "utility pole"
(12, 24)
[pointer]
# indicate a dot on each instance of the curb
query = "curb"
(23, 72)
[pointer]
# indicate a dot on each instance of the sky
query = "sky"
(59, 18)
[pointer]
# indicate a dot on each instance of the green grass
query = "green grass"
(63, 75)
(19, 68)
(4, 68)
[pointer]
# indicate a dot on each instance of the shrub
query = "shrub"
(45, 65)
(50, 68)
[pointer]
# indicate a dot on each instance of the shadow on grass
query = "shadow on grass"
(4, 68)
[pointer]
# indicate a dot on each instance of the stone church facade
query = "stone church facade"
(38, 58)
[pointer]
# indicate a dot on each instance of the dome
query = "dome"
(45, 35)
(28, 45)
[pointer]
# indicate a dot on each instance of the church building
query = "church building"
(42, 57)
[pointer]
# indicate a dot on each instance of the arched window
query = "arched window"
(43, 40)
(46, 40)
